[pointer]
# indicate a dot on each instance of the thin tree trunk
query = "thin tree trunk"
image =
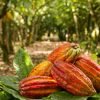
(10, 41)
(75, 18)
(4, 44)
(30, 34)
(93, 16)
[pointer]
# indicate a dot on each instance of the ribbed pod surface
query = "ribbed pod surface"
(42, 69)
(72, 79)
(66, 52)
(37, 86)
(91, 69)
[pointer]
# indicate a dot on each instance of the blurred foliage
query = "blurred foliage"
(26, 21)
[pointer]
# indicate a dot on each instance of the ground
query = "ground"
(37, 51)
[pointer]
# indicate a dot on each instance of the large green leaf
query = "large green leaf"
(4, 96)
(63, 96)
(9, 88)
(14, 93)
(22, 63)
(9, 81)
(95, 97)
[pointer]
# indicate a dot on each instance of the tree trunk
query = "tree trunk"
(61, 35)
(10, 41)
(4, 43)
(75, 18)
(94, 20)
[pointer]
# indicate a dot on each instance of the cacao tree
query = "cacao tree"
(29, 20)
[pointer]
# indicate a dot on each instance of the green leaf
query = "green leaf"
(95, 97)
(63, 96)
(4, 96)
(9, 81)
(13, 93)
(9, 84)
(22, 63)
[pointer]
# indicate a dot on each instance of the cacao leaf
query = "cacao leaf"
(95, 97)
(9, 81)
(4, 96)
(9, 88)
(22, 63)
(14, 93)
(63, 96)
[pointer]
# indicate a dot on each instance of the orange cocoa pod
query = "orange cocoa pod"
(42, 69)
(72, 79)
(91, 69)
(66, 52)
(37, 86)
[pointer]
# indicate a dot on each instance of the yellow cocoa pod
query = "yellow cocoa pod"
(9, 16)
(41, 69)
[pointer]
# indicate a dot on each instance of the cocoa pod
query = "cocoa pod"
(66, 52)
(72, 79)
(37, 86)
(42, 69)
(91, 69)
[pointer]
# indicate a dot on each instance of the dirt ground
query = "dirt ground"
(38, 52)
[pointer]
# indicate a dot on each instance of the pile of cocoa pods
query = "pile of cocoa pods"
(66, 68)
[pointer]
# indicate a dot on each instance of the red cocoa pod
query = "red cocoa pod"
(37, 86)
(72, 79)
(91, 69)
(42, 69)
(66, 52)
